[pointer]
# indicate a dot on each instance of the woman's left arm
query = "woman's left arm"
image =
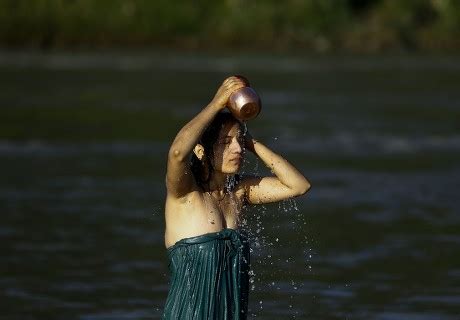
(286, 183)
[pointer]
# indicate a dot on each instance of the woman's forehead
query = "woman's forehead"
(230, 129)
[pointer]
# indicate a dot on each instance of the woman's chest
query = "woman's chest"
(224, 210)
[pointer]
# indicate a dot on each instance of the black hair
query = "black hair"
(207, 140)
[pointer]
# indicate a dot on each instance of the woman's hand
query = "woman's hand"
(230, 85)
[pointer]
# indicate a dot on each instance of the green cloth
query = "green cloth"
(209, 277)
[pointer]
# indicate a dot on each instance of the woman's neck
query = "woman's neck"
(218, 182)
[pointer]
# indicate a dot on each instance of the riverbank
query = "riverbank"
(314, 26)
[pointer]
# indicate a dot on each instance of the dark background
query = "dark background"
(362, 96)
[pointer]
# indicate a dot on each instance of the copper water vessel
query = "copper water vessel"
(244, 103)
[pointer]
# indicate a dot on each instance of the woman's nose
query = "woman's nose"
(237, 147)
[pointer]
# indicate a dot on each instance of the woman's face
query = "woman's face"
(228, 149)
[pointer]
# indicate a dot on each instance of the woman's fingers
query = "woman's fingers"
(235, 79)
(229, 85)
(233, 85)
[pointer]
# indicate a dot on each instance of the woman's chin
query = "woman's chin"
(233, 170)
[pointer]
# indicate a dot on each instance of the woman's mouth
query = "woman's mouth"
(237, 160)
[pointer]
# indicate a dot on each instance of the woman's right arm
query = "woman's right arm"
(179, 178)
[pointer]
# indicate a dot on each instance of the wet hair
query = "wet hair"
(207, 140)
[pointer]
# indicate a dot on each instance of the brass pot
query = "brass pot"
(244, 104)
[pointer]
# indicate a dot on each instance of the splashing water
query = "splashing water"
(270, 271)
(230, 183)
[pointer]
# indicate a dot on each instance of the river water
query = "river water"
(83, 144)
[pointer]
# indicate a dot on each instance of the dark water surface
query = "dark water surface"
(83, 142)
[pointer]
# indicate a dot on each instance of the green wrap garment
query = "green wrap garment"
(209, 277)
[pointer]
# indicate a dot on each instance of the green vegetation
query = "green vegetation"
(319, 25)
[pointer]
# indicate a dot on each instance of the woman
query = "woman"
(209, 257)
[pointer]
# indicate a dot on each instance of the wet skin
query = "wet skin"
(213, 209)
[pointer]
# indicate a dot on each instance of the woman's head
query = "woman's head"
(220, 148)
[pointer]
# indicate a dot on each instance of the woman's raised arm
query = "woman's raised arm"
(287, 183)
(179, 178)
